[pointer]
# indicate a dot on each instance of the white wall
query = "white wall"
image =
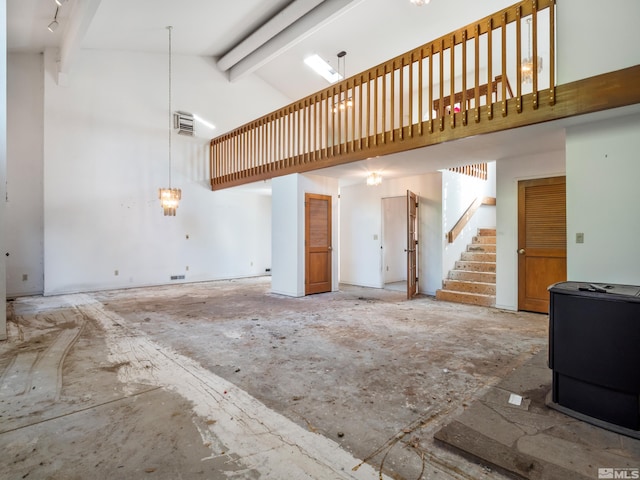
(603, 199)
(288, 227)
(361, 256)
(3, 168)
(25, 206)
(458, 193)
(508, 172)
(595, 37)
(105, 144)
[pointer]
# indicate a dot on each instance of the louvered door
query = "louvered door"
(542, 240)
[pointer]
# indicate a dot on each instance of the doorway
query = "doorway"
(542, 240)
(318, 249)
(394, 243)
(400, 243)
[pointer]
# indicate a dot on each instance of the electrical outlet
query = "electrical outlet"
(116, 273)
(187, 268)
(375, 236)
(579, 237)
(25, 277)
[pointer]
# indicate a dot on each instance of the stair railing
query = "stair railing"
(466, 216)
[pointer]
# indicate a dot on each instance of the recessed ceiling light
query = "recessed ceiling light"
(322, 68)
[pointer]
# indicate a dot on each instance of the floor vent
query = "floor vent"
(177, 277)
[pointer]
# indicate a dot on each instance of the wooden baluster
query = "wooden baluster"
(420, 95)
(534, 42)
(384, 104)
(360, 119)
(401, 101)
(411, 62)
(489, 72)
(463, 104)
(552, 53)
(504, 64)
(431, 87)
(375, 108)
(519, 59)
(452, 81)
(477, 73)
(441, 103)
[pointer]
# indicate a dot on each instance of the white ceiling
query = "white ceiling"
(370, 31)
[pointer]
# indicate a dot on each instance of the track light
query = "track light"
(53, 25)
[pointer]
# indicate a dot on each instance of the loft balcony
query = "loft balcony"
(495, 74)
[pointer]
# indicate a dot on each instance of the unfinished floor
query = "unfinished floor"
(223, 380)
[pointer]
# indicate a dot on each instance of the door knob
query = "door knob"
(521, 251)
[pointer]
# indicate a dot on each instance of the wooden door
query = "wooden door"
(317, 243)
(542, 240)
(412, 244)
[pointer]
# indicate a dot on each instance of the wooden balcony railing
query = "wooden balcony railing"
(477, 170)
(466, 78)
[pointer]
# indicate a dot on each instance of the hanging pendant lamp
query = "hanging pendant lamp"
(170, 197)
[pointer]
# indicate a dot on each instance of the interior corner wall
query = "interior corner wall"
(288, 230)
(105, 156)
(286, 223)
(509, 171)
(3, 168)
(361, 244)
(590, 37)
(25, 203)
(602, 201)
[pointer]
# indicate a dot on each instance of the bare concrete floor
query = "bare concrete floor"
(223, 380)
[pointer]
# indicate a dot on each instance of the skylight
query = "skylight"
(322, 68)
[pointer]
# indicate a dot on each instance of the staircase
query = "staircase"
(473, 279)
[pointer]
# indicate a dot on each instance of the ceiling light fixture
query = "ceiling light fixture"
(374, 179)
(527, 63)
(419, 3)
(53, 25)
(60, 2)
(322, 68)
(170, 197)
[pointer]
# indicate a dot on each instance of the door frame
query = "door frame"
(413, 229)
(525, 304)
(308, 249)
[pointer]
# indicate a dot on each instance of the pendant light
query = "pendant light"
(170, 197)
(527, 63)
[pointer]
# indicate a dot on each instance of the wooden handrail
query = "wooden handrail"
(466, 216)
(392, 104)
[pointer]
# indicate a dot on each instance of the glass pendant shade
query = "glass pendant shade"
(169, 199)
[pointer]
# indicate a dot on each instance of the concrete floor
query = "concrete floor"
(224, 380)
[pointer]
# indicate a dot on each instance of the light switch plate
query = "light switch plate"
(579, 237)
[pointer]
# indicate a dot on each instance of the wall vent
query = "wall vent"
(177, 277)
(184, 123)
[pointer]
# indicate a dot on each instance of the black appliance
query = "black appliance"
(594, 352)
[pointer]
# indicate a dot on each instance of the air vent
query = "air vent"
(183, 122)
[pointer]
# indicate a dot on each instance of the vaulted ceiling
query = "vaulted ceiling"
(268, 39)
